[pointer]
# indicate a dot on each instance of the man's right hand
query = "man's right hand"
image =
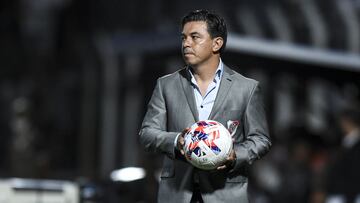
(180, 141)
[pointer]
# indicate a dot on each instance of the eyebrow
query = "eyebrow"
(192, 33)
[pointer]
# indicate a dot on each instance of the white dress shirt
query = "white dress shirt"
(204, 104)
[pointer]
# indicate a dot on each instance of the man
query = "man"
(343, 182)
(205, 89)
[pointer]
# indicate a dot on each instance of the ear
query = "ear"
(217, 44)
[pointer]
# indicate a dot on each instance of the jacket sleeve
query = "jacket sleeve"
(257, 140)
(153, 133)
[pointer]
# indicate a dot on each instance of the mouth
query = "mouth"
(188, 54)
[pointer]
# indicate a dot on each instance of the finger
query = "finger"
(182, 152)
(221, 167)
(185, 131)
(182, 139)
(231, 157)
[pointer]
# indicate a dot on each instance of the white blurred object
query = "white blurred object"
(335, 199)
(340, 199)
(357, 200)
(318, 105)
(267, 176)
(16, 190)
(128, 174)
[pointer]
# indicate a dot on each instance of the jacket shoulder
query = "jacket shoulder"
(242, 79)
(172, 76)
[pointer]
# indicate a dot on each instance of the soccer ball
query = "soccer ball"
(207, 144)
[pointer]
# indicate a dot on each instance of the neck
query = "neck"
(206, 71)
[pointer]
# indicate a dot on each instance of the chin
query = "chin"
(188, 63)
(191, 64)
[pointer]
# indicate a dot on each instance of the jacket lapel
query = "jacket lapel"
(185, 78)
(225, 84)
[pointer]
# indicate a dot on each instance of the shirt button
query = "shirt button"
(201, 106)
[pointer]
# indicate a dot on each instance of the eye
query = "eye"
(195, 37)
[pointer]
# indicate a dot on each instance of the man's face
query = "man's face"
(197, 45)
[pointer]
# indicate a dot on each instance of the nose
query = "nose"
(186, 42)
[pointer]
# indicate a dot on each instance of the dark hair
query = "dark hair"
(216, 25)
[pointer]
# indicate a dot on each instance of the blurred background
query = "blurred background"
(76, 76)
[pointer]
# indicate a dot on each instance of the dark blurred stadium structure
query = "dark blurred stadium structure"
(76, 75)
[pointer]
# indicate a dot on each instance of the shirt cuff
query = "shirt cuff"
(175, 141)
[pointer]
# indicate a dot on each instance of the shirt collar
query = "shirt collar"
(218, 73)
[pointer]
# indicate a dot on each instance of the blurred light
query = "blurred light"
(128, 174)
(335, 199)
(88, 192)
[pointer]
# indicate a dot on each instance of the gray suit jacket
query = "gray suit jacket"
(172, 108)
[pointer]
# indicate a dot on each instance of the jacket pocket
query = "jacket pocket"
(168, 169)
(231, 115)
(233, 121)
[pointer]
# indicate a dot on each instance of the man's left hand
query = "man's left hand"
(230, 161)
